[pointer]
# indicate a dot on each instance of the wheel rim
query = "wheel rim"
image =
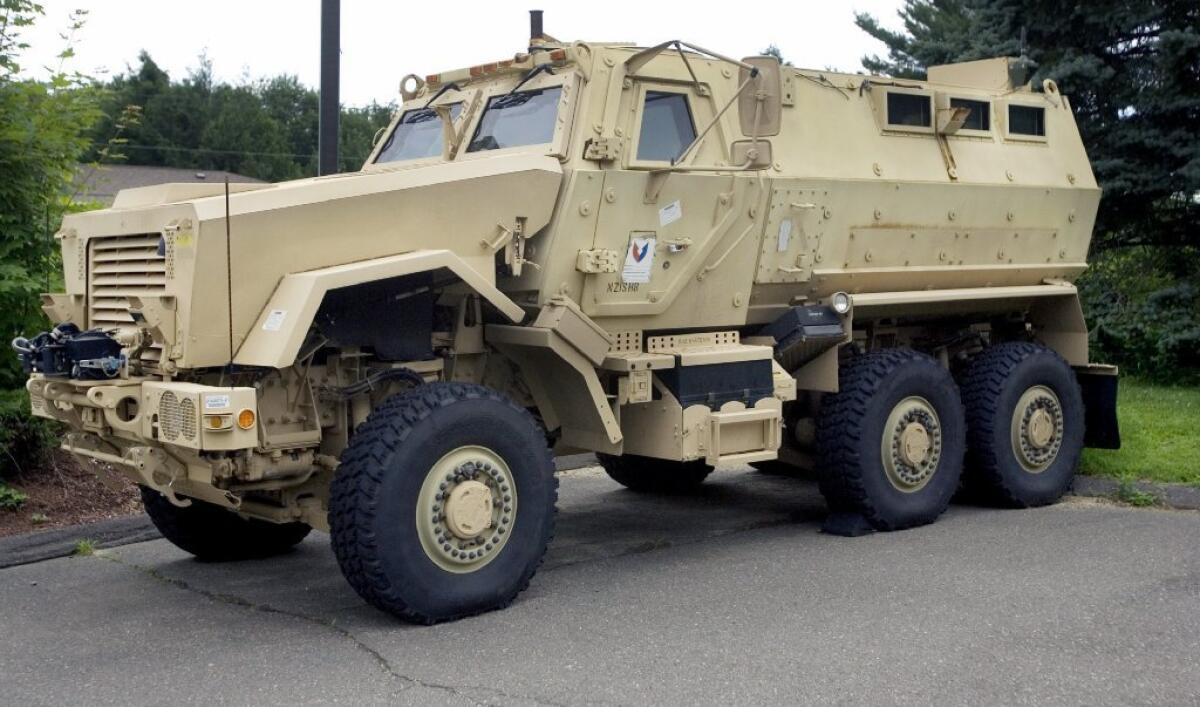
(912, 444)
(1037, 429)
(466, 508)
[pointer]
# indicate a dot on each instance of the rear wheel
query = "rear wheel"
(890, 442)
(1024, 424)
(649, 475)
(214, 534)
(443, 505)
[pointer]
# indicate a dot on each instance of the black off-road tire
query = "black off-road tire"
(373, 501)
(214, 534)
(649, 475)
(991, 388)
(850, 431)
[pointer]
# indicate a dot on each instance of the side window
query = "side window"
(1027, 120)
(418, 134)
(909, 109)
(980, 117)
(667, 127)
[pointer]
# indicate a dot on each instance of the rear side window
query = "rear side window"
(1027, 120)
(418, 134)
(667, 127)
(515, 119)
(980, 116)
(909, 109)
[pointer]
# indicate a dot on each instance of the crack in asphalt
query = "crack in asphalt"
(381, 660)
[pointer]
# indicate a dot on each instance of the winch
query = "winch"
(65, 351)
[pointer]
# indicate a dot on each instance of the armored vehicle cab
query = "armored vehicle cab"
(665, 256)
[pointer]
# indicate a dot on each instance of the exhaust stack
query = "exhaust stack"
(535, 26)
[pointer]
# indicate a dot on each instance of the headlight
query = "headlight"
(841, 302)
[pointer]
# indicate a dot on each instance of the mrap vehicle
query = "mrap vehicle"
(662, 255)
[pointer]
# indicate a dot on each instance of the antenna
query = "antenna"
(229, 270)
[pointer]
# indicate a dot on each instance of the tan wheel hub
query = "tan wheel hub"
(1037, 428)
(1041, 429)
(466, 509)
(912, 444)
(469, 509)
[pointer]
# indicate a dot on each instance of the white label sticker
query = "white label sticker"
(274, 320)
(785, 234)
(670, 213)
(216, 402)
(639, 258)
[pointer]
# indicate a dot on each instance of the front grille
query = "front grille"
(120, 267)
(177, 417)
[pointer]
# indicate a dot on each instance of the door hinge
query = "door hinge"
(597, 261)
(603, 149)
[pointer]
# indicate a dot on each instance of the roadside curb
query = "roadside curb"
(1177, 496)
(60, 542)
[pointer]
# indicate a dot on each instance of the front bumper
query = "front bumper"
(187, 415)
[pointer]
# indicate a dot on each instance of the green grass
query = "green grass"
(1160, 436)
(84, 547)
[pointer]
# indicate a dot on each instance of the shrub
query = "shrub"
(1143, 307)
(10, 498)
(25, 440)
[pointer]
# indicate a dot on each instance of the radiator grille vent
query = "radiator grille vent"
(122, 266)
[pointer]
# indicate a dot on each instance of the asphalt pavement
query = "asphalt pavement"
(728, 597)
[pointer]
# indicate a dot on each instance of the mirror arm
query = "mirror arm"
(733, 99)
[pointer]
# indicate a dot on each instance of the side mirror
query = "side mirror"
(760, 107)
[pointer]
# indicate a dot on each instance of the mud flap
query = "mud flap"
(1099, 386)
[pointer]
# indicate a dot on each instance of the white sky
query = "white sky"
(384, 40)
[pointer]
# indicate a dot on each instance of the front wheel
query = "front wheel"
(443, 505)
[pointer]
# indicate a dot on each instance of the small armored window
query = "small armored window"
(909, 109)
(418, 134)
(979, 118)
(667, 127)
(1027, 120)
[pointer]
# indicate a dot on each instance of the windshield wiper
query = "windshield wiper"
(442, 90)
(533, 72)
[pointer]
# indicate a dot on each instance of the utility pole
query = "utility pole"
(327, 130)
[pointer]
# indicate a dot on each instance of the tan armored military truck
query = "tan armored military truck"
(662, 255)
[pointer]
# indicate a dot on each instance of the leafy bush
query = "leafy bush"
(10, 498)
(1143, 306)
(25, 440)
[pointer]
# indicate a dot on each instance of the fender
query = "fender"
(1053, 310)
(279, 331)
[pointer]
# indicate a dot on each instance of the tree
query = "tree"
(265, 128)
(43, 132)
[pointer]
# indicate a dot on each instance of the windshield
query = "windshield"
(515, 119)
(418, 134)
